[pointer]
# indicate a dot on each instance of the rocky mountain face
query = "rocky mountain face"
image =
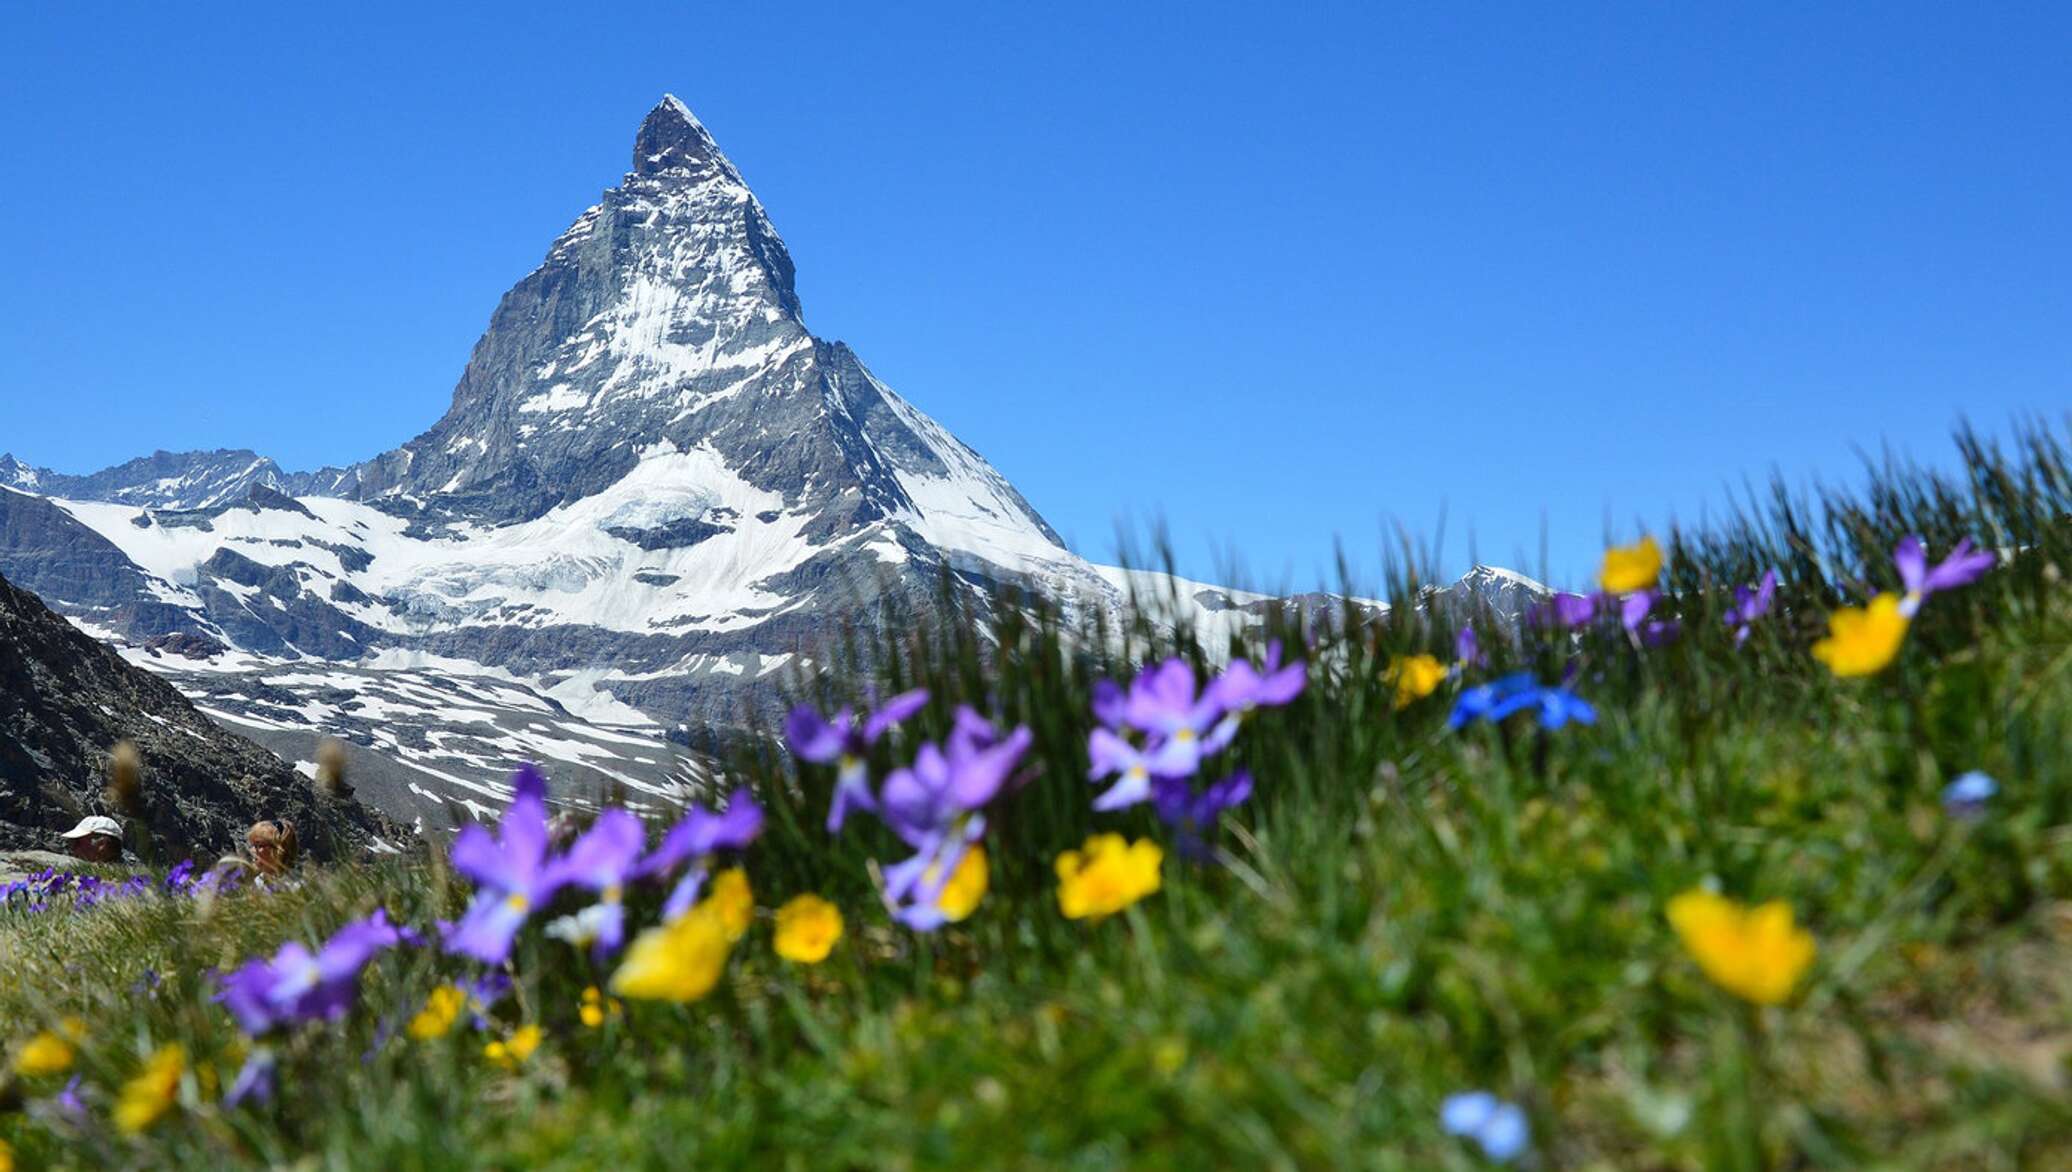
(654, 490)
(66, 700)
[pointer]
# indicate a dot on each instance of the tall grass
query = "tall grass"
(1402, 911)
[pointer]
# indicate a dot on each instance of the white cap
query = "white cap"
(96, 824)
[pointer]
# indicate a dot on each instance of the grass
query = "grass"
(1403, 911)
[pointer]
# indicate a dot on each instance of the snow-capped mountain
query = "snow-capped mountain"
(654, 489)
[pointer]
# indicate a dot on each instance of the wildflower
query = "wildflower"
(602, 860)
(596, 1007)
(937, 807)
(298, 985)
(681, 960)
(1565, 610)
(733, 902)
(692, 842)
(1863, 641)
(1500, 1129)
(254, 1081)
(1633, 615)
(924, 899)
(1187, 726)
(146, 1098)
(1631, 567)
(50, 1051)
(1192, 816)
(1414, 677)
(807, 929)
(1106, 875)
(1111, 754)
(1754, 953)
(6, 1156)
(846, 741)
(1109, 702)
(1961, 568)
(442, 1007)
(511, 1052)
(1750, 605)
(1242, 687)
(1967, 796)
(511, 871)
(1557, 706)
(1467, 649)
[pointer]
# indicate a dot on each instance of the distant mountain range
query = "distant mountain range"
(654, 491)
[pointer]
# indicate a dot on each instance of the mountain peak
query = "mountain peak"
(672, 137)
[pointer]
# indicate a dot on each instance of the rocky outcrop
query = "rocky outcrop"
(66, 700)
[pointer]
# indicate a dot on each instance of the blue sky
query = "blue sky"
(1275, 278)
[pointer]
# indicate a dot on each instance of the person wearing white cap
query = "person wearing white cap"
(97, 839)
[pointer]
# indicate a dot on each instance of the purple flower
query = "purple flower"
(846, 741)
(602, 860)
(1111, 754)
(1565, 610)
(180, 875)
(1109, 703)
(511, 873)
(1750, 605)
(1633, 615)
(254, 1080)
(1467, 649)
(953, 782)
(694, 839)
(1193, 816)
(298, 985)
(1186, 726)
(937, 806)
(1961, 568)
(1243, 687)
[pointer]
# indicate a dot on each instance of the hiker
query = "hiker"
(273, 846)
(97, 839)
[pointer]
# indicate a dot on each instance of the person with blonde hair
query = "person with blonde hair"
(272, 845)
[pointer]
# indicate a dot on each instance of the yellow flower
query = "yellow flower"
(1753, 953)
(807, 928)
(1631, 567)
(597, 1007)
(146, 1098)
(967, 886)
(514, 1049)
(1415, 677)
(1106, 876)
(733, 902)
(441, 1009)
(6, 1157)
(1862, 641)
(50, 1052)
(678, 961)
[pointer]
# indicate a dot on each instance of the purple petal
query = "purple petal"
(1109, 703)
(981, 776)
(892, 712)
(1912, 560)
(604, 856)
(486, 930)
(1635, 607)
(351, 947)
(852, 792)
(1961, 568)
(476, 854)
(1134, 787)
(1109, 754)
(814, 739)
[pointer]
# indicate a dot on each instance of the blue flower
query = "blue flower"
(1499, 1128)
(1493, 702)
(1969, 794)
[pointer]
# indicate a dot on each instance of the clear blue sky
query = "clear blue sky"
(1271, 277)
